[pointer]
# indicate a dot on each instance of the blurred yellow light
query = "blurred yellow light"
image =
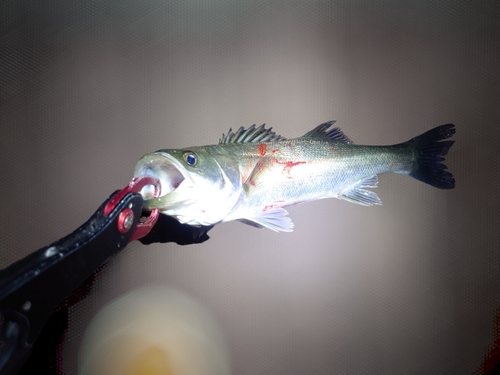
(153, 361)
(153, 330)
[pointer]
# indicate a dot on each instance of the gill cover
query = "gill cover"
(198, 186)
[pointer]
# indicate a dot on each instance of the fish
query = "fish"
(253, 173)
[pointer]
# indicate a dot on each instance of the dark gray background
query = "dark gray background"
(412, 287)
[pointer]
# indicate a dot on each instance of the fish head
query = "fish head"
(198, 186)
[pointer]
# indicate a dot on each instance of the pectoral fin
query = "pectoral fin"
(358, 194)
(251, 185)
(274, 219)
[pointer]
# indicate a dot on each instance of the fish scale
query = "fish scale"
(309, 170)
(252, 174)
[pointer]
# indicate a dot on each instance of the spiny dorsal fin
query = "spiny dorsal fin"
(321, 131)
(252, 134)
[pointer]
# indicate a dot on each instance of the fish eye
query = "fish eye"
(190, 158)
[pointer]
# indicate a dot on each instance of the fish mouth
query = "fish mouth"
(174, 179)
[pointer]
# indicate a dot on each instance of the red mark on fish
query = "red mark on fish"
(276, 204)
(262, 149)
(289, 165)
(251, 180)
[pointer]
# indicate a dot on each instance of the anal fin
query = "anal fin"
(359, 195)
(274, 219)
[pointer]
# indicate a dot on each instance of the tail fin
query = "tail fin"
(428, 157)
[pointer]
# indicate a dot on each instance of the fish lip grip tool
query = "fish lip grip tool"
(33, 287)
(126, 217)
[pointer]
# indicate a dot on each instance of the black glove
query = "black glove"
(168, 229)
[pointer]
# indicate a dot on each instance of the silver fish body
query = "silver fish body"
(251, 175)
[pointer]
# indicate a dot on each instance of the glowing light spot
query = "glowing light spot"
(153, 361)
(153, 330)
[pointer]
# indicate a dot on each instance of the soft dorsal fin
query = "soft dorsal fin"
(252, 134)
(321, 131)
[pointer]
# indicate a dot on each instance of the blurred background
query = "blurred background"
(411, 287)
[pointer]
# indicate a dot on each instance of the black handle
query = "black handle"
(31, 288)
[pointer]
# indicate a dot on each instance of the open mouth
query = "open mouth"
(170, 173)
